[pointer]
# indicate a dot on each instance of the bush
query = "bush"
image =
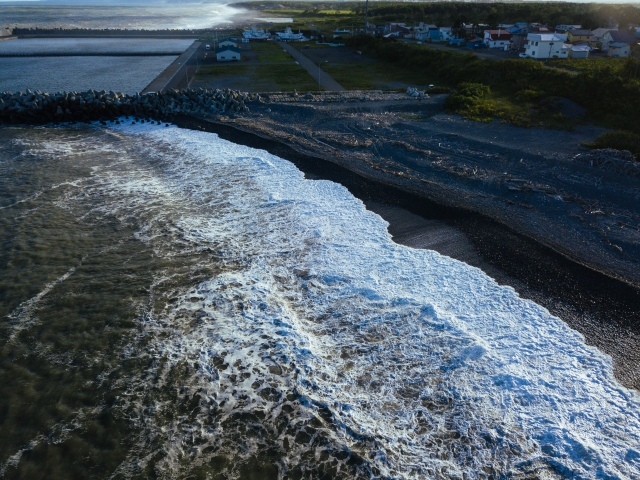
(470, 100)
(619, 140)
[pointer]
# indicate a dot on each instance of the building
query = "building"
(618, 49)
(579, 35)
(563, 28)
(579, 51)
(519, 39)
(617, 36)
(423, 31)
(546, 45)
(227, 54)
(497, 39)
(597, 37)
(228, 42)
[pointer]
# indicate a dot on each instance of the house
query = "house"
(579, 51)
(597, 37)
(227, 53)
(546, 45)
(228, 42)
(423, 31)
(579, 35)
(563, 28)
(445, 34)
(617, 36)
(519, 39)
(497, 39)
(618, 49)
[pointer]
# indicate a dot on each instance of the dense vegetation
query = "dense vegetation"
(589, 15)
(521, 91)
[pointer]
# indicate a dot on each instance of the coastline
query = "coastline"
(605, 310)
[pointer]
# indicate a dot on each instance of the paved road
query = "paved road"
(323, 78)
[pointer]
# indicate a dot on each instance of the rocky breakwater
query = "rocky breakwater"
(38, 107)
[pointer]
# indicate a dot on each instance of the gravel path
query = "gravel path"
(323, 78)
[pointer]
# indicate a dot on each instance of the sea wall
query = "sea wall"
(38, 107)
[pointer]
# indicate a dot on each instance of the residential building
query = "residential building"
(446, 34)
(546, 45)
(227, 53)
(563, 28)
(423, 31)
(617, 36)
(579, 35)
(618, 49)
(497, 39)
(579, 51)
(597, 37)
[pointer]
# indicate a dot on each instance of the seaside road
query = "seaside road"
(323, 78)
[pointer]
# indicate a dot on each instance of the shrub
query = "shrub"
(620, 140)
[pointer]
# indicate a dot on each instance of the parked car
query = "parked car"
(522, 55)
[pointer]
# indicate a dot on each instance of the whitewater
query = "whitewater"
(287, 328)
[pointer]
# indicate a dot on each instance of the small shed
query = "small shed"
(228, 42)
(227, 54)
(579, 51)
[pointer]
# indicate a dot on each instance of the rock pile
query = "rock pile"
(415, 93)
(38, 107)
(618, 161)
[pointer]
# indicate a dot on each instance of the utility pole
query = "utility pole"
(366, 17)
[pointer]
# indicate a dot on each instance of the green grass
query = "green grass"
(223, 70)
(256, 78)
(374, 76)
(265, 47)
(272, 57)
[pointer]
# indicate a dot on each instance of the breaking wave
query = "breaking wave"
(289, 335)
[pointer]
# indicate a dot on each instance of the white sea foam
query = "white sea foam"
(332, 338)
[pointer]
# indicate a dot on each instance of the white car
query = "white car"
(522, 55)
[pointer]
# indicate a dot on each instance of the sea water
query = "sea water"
(177, 305)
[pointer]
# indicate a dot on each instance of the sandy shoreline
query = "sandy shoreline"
(606, 310)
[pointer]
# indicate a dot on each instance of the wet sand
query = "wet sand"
(603, 309)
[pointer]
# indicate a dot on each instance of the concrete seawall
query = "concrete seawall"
(90, 54)
(178, 74)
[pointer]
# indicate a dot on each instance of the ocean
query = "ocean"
(175, 305)
(110, 14)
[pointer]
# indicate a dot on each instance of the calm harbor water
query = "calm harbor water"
(178, 306)
(55, 74)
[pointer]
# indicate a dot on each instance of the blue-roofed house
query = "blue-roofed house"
(618, 49)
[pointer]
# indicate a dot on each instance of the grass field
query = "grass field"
(255, 78)
(374, 76)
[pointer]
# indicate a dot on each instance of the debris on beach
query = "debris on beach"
(617, 161)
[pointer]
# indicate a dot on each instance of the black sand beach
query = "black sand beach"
(603, 309)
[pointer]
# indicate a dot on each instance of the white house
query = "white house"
(546, 45)
(227, 54)
(497, 39)
(227, 42)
